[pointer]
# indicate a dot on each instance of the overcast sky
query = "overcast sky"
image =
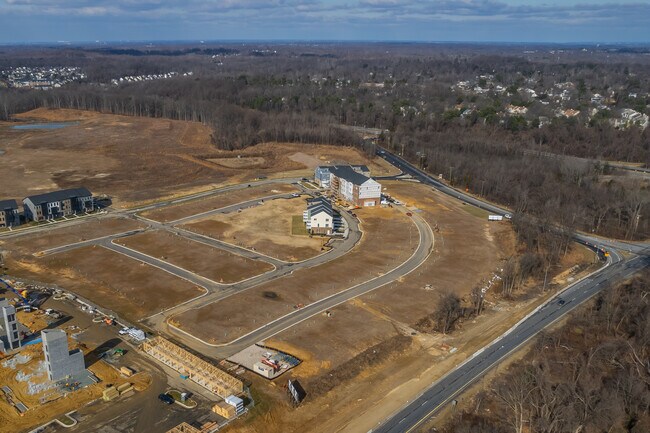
(376, 20)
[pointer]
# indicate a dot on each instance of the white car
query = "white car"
(123, 331)
(295, 194)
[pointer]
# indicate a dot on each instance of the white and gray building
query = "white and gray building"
(323, 173)
(320, 218)
(9, 215)
(9, 332)
(58, 204)
(350, 183)
(60, 361)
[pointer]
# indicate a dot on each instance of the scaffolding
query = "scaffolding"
(205, 374)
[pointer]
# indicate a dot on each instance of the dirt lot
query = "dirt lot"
(265, 228)
(56, 237)
(218, 201)
(130, 288)
(213, 263)
(389, 239)
(467, 249)
(102, 152)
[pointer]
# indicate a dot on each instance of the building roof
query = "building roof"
(348, 173)
(8, 205)
(63, 194)
(318, 205)
(362, 167)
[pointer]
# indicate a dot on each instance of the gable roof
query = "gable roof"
(348, 173)
(63, 194)
(8, 205)
(318, 205)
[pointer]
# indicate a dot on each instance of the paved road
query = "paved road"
(414, 172)
(112, 213)
(424, 248)
(446, 389)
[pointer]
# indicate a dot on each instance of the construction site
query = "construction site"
(192, 367)
(208, 282)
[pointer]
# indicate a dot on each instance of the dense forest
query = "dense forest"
(591, 375)
(250, 94)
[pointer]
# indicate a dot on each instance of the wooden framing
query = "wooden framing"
(184, 428)
(205, 374)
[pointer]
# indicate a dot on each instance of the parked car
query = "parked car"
(166, 398)
(123, 331)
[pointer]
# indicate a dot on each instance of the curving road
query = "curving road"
(617, 268)
(421, 253)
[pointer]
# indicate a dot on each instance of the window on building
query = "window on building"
(15, 335)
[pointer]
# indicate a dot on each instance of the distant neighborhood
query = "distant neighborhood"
(537, 104)
(43, 78)
(148, 77)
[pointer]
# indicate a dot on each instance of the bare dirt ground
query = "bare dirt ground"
(119, 283)
(213, 263)
(56, 237)
(265, 228)
(218, 201)
(11, 421)
(467, 250)
(136, 159)
(389, 239)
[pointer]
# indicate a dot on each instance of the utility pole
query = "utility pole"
(450, 169)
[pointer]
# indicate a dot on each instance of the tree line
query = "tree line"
(592, 375)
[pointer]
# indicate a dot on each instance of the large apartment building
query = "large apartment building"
(58, 204)
(9, 216)
(350, 183)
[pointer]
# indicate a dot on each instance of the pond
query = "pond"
(51, 125)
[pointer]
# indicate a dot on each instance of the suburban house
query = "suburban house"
(354, 187)
(319, 217)
(323, 173)
(57, 204)
(9, 216)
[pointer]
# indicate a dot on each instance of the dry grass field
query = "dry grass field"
(132, 289)
(215, 264)
(467, 249)
(389, 239)
(265, 228)
(136, 159)
(217, 201)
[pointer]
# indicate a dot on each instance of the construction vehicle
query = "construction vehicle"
(22, 296)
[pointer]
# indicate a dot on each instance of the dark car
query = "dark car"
(166, 398)
(561, 301)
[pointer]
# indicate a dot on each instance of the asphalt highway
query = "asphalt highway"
(617, 268)
(415, 173)
(446, 389)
